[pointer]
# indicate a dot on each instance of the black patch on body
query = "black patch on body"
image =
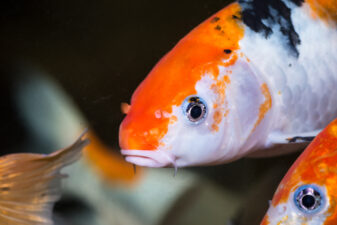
(272, 12)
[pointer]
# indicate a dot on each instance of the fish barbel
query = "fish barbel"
(307, 195)
(30, 184)
(256, 78)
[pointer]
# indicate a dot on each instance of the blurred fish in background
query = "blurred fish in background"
(30, 184)
(67, 65)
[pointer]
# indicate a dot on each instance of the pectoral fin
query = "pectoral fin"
(31, 183)
(279, 138)
(279, 143)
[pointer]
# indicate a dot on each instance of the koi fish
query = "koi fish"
(307, 194)
(251, 79)
(30, 184)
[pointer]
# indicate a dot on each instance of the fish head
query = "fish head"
(307, 204)
(307, 194)
(177, 115)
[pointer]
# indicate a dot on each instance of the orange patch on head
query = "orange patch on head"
(173, 119)
(265, 106)
(316, 165)
(265, 220)
(217, 117)
(324, 9)
(284, 221)
(226, 113)
(219, 88)
(176, 74)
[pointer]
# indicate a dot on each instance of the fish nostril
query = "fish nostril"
(141, 130)
(125, 108)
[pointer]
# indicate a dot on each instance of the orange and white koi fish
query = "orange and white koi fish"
(30, 184)
(307, 195)
(255, 75)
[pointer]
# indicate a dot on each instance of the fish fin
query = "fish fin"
(109, 164)
(281, 144)
(279, 138)
(30, 184)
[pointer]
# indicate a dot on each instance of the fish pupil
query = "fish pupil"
(308, 201)
(309, 198)
(196, 111)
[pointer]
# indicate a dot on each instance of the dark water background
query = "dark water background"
(99, 51)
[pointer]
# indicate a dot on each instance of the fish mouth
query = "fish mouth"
(149, 158)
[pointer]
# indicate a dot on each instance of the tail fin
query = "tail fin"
(31, 183)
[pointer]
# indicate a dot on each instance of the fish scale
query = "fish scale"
(308, 97)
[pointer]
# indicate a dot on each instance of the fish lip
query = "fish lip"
(149, 158)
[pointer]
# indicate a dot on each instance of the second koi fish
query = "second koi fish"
(307, 194)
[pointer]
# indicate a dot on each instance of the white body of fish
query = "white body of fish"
(303, 89)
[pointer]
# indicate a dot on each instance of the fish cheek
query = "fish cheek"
(192, 144)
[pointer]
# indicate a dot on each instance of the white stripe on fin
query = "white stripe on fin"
(30, 184)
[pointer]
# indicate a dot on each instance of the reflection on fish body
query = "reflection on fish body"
(30, 184)
(251, 77)
(307, 195)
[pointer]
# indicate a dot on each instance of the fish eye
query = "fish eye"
(195, 109)
(309, 199)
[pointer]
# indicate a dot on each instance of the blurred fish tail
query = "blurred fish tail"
(31, 183)
(110, 165)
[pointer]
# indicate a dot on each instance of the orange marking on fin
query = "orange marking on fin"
(265, 106)
(109, 164)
